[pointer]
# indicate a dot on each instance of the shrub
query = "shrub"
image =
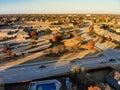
(48, 31)
(91, 44)
(75, 69)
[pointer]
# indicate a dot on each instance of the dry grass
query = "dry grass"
(21, 60)
(75, 69)
(36, 23)
(70, 42)
(56, 50)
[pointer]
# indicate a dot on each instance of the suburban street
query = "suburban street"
(42, 70)
(34, 71)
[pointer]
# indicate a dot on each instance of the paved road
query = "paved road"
(23, 73)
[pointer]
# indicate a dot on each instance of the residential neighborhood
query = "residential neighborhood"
(59, 45)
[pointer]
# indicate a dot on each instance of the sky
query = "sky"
(59, 6)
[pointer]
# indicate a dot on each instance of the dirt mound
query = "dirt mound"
(71, 42)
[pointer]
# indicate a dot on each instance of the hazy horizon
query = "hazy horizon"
(59, 7)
